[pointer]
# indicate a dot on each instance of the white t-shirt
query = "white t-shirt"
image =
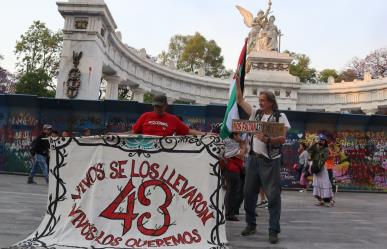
(259, 147)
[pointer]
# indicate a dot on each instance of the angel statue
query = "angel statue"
(264, 33)
(268, 36)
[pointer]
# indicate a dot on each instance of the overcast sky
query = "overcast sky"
(331, 32)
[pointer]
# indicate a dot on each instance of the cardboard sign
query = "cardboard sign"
(133, 192)
(270, 129)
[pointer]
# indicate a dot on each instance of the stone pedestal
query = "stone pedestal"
(84, 31)
(90, 67)
(370, 111)
(270, 66)
(269, 71)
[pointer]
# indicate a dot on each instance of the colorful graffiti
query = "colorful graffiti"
(360, 164)
(362, 160)
(18, 132)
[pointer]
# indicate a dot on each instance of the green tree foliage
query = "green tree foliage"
(324, 75)
(300, 67)
(347, 75)
(194, 52)
(38, 55)
(124, 93)
(148, 97)
(175, 49)
(35, 82)
(163, 58)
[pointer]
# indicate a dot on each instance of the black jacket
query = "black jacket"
(41, 145)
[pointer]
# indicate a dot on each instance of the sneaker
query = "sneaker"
(31, 181)
(262, 204)
(301, 191)
(249, 230)
(232, 218)
(273, 238)
(320, 203)
(327, 204)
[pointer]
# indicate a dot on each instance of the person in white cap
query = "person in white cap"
(40, 148)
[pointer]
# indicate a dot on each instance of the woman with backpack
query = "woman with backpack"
(322, 187)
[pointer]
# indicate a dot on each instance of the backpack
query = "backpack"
(317, 166)
(33, 147)
(318, 163)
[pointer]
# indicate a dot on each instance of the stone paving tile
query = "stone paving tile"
(359, 220)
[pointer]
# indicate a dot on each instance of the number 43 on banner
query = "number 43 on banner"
(129, 216)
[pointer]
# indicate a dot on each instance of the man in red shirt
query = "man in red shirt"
(161, 123)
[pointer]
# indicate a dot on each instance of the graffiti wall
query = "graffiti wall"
(360, 161)
(360, 141)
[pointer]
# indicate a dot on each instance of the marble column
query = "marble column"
(138, 94)
(112, 87)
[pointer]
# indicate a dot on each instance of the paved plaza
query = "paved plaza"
(359, 220)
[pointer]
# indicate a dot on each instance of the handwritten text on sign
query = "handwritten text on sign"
(268, 128)
(133, 192)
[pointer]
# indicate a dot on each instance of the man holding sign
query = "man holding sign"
(264, 162)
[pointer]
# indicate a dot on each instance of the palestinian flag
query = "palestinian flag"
(232, 111)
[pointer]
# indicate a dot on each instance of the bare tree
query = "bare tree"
(375, 63)
(357, 66)
(7, 80)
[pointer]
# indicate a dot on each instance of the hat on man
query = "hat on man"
(47, 126)
(159, 100)
(322, 137)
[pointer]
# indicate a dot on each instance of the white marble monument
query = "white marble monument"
(267, 68)
(90, 28)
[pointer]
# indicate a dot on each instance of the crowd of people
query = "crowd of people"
(250, 164)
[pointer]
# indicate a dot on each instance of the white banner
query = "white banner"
(133, 192)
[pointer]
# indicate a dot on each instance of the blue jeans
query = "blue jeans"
(39, 161)
(265, 173)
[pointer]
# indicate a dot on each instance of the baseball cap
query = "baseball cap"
(159, 100)
(322, 137)
(47, 126)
